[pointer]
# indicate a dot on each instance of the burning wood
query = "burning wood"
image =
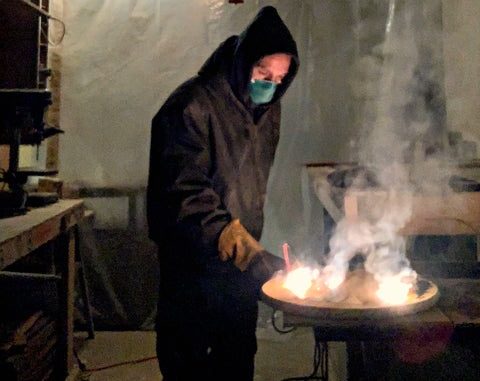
(358, 288)
(304, 291)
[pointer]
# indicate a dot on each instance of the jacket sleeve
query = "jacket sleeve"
(182, 204)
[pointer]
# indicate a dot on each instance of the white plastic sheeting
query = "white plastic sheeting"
(121, 59)
(120, 62)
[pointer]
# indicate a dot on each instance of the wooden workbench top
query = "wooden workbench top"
(21, 235)
(460, 301)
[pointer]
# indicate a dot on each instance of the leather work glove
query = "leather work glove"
(264, 265)
(236, 244)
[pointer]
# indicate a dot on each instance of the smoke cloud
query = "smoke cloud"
(404, 142)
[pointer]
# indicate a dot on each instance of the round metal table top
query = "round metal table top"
(279, 297)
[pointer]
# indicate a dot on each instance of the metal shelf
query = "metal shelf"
(40, 6)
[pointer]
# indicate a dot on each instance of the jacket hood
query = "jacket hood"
(267, 34)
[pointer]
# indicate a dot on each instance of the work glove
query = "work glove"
(264, 265)
(235, 243)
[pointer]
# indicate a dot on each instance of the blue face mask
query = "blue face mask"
(262, 91)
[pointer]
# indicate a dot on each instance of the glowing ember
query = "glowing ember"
(299, 281)
(393, 290)
(333, 278)
(357, 287)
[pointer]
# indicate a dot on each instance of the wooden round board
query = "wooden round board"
(276, 296)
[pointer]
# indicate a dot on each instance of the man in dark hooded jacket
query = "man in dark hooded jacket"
(212, 147)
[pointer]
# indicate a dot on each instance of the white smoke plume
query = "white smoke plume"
(404, 141)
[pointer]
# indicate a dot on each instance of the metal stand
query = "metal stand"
(320, 361)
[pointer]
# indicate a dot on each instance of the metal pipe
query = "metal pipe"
(28, 276)
(36, 7)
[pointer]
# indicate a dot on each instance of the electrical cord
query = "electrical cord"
(83, 367)
(279, 330)
(131, 362)
(320, 361)
(43, 13)
(320, 357)
(56, 43)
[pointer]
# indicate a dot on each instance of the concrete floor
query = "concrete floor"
(130, 356)
(124, 356)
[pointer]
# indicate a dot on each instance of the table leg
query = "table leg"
(83, 285)
(66, 268)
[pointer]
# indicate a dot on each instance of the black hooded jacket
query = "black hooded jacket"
(212, 148)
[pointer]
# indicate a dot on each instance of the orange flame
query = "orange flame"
(393, 290)
(299, 281)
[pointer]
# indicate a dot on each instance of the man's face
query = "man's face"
(272, 68)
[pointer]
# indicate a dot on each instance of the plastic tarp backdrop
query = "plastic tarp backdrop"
(121, 59)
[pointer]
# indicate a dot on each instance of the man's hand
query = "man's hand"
(264, 265)
(236, 244)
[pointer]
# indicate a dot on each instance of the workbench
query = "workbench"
(55, 225)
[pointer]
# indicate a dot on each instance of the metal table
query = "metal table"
(457, 311)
